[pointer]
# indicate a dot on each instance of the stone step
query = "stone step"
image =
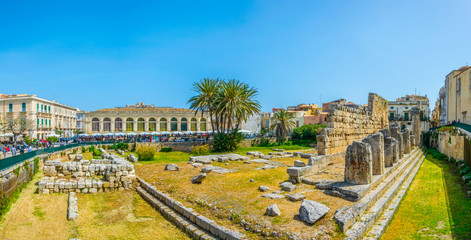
(378, 229)
(349, 215)
(366, 221)
(355, 193)
(179, 220)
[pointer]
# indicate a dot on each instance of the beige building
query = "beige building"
(458, 95)
(45, 116)
(144, 118)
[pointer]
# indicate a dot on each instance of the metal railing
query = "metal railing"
(13, 160)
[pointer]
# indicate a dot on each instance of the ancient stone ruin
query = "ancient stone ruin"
(346, 124)
(87, 176)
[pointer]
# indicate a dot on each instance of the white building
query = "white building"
(399, 111)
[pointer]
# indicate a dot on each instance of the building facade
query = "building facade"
(80, 121)
(45, 116)
(400, 111)
(144, 118)
(458, 95)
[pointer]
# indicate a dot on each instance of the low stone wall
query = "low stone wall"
(201, 221)
(87, 176)
(15, 176)
(449, 144)
(315, 164)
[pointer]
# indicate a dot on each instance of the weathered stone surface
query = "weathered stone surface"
(263, 189)
(376, 142)
(311, 211)
(273, 196)
(394, 129)
(171, 167)
(299, 163)
(406, 141)
(78, 156)
(287, 186)
(358, 163)
(295, 197)
(198, 178)
(395, 147)
(295, 173)
(72, 212)
(416, 126)
(197, 165)
(132, 158)
(207, 168)
(273, 211)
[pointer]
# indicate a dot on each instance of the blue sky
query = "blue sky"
(97, 54)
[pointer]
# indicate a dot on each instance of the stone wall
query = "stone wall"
(449, 144)
(15, 176)
(346, 124)
(87, 176)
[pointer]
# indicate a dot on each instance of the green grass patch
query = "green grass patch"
(39, 213)
(436, 205)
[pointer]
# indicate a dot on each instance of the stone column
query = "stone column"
(406, 139)
(358, 163)
(416, 126)
(394, 129)
(376, 142)
(388, 148)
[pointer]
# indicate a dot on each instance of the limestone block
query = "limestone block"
(376, 142)
(358, 163)
(388, 152)
(273, 211)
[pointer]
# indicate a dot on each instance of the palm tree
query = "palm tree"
(284, 122)
(207, 91)
(235, 103)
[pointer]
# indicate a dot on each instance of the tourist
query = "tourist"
(30, 148)
(13, 150)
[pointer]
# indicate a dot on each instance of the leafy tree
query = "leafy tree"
(283, 123)
(307, 132)
(52, 139)
(58, 132)
(17, 126)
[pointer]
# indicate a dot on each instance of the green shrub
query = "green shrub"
(224, 142)
(122, 146)
(97, 152)
(307, 132)
(465, 171)
(201, 150)
(52, 139)
(166, 149)
(74, 151)
(36, 165)
(91, 148)
(145, 153)
(84, 149)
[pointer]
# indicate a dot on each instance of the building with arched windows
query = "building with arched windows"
(144, 118)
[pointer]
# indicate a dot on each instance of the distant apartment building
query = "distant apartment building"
(399, 111)
(81, 120)
(45, 116)
(457, 96)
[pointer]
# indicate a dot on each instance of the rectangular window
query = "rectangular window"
(42, 122)
(37, 107)
(406, 116)
(49, 109)
(42, 107)
(10, 107)
(37, 121)
(391, 116)
(23, 107)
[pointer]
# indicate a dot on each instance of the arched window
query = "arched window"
(184, 125)
(141, 124)
(118, 125)
(106, 124)
(193, 124)
(95, 125)
(173, 124)
(152, 124)
(163, 124)
(203, 124)
(129, 125)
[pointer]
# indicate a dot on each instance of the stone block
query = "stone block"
(358, 163)
(376, 141)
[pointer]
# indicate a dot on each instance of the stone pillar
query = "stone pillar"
(388, 148)
(406, 138)
(358, 163)
(416, 126)
(395, 150)
(412, 140)
(394, 129)
(376, 142)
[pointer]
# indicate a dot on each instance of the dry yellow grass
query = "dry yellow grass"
(117, 215)
(235, 191)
